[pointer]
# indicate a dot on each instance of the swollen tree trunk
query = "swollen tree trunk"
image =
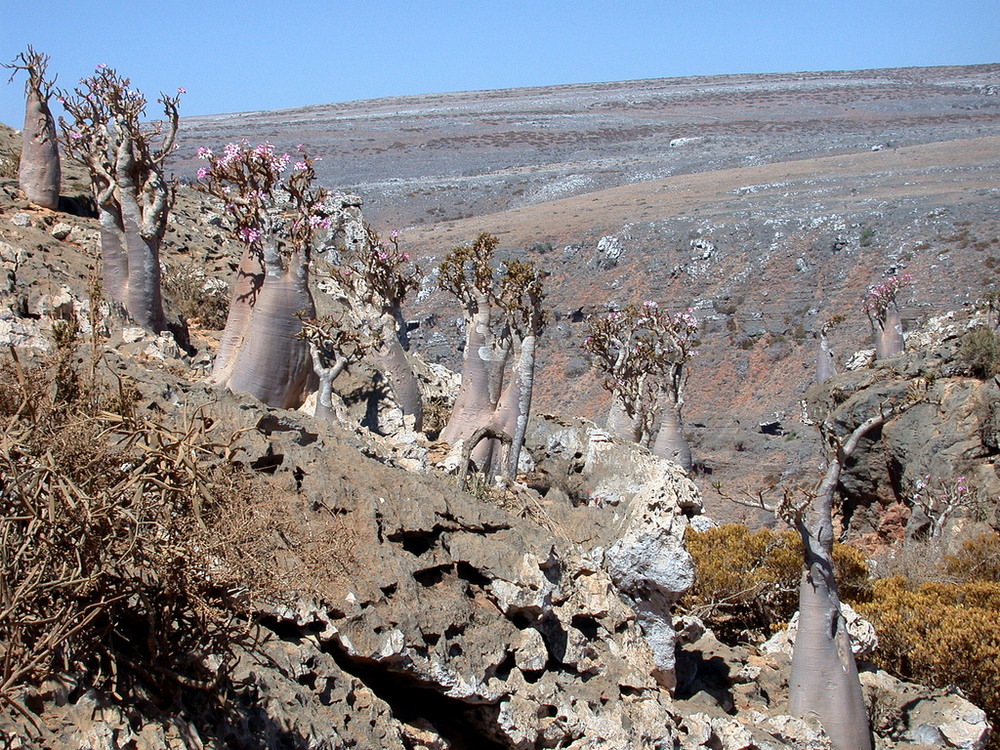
(141, 297)
(889, 334)
(511, 416)
(479, 392)
(826, 366)
(267, 360)
(246, 288)
(114, 260)
(824, 680)
(133, 221)
(619, 423)
(39, 171)
(670, 442)
(390, 359)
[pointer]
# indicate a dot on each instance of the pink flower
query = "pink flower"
(249, 235)
(181, 90)
(394, 234)
(203, 173)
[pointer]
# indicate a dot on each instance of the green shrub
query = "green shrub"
(979, 352)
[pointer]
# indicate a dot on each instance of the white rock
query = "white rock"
(61, 230)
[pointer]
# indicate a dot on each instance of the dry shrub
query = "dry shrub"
(436, 413)
(201, 299)
(10, 158)
(746, 583)
(979, 352)
(940, 634)
(127, 545)
(977, 560)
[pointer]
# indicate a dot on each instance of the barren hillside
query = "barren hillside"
(766, 202)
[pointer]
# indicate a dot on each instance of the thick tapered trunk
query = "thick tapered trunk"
(889, 334)
(131, 270)
(670, 442)
(114, 260)
(479, 392)
(39, 172)
(824, 680)
(390, 359)
(246, 288)
(619, 423)
(131, 233)
(511, 417)
(270, 363)
(826, 366)
(142, 299)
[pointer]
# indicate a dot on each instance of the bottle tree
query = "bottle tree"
(376, 280)
(125, 158)
(826, 362)
(503, 317)
(335, 342)
(39, 170)
(642, 352)
(880, 304)
(277, 212)
(824, 677)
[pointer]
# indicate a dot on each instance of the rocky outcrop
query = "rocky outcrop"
(426, 618)
(735, 697)
(945, 435)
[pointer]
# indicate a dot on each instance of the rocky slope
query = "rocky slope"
(767, 203)
(422, 617)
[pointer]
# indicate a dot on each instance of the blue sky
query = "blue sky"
(250, 55)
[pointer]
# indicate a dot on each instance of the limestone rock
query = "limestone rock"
(864, 639)
(924, 716)
(61, 230)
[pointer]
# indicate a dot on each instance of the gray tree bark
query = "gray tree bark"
(482, 368)
(824, 680)
(511, 417)
(619, 423)
(889, 334)
(390, 359)
(826, 365)
(265, 358)
(39, 172)
(670, 442)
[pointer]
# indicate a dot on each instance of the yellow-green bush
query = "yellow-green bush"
(977, 560)
(940, 634)
(747, 582)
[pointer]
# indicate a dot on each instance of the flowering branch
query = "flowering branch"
(940, 498)
(380, 274)
(641, 351)
(881, 297)
(268, 203)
